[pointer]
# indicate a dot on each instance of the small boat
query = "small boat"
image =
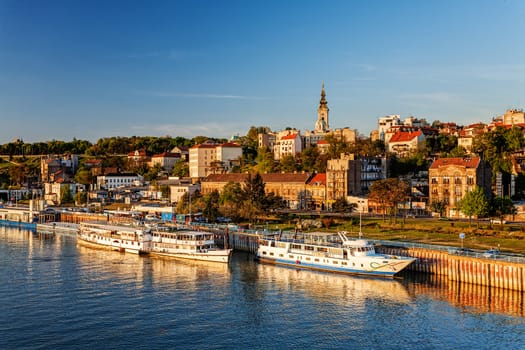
(181, 242)
(330, 252)
(122, 238)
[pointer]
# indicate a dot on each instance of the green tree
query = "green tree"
(475, 203)
(438, 206)
(288, 164)
(231, 200)
(65, 195)
(341, 205)
(254, 195)
(501, 206)
(388, 193)
(210, 210)
(181, 169)
(265, 161)
(309, 157)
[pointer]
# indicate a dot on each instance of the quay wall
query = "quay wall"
(466, 269)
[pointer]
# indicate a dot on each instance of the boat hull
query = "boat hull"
(112, 247)
(220, 256)
(391, 272)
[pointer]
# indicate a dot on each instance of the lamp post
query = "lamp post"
(360, 217)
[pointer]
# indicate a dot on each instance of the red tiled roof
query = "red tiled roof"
(230, 144)
(166, 155)
(273, 177)
(318, 179)
(322, 142)
(226, 178)
(472, 162)
(403, 136)
(141, 153)
(289, 137)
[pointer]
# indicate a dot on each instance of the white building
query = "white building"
(112, 181)
(211, 158)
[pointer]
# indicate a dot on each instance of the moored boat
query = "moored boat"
(185, 243)
(131, 239)
(330, 252)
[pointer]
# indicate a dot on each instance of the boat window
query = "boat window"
(271, 253)
(344, 263)
(316, 260)
(308, 259)
(280, 255)
(264, 253)
(290, 256)
(335, 262)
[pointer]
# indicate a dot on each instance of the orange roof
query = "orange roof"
(322, 142)
(472, 162)
(318, 179)
(273, 177)
(289, 137)
(166, 155)
(140, 153)
(230, 144)
(404, 136)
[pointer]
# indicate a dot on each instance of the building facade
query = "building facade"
(450, 179)
(343, 178)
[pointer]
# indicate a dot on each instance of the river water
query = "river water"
(55, 294)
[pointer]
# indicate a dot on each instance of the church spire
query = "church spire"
(323, 101)
(322, 125)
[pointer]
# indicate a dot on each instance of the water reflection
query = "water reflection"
(334, 287)
(470, 297)
(153, 271)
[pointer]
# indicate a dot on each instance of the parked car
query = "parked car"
(492, 253)
(460, 251)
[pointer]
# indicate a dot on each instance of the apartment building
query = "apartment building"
(450, 179)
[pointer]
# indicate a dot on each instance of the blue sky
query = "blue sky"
(92, 69)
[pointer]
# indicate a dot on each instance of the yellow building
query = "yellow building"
(291, 187)
(450, 179)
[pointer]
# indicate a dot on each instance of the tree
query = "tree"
(288, 164)
(231, 199)
(308, 158)
(341, 205)
(254, 195)
(501, 206)
(474, 203)
(265, 161)
(211, 206)
(438, 206)
(65, 195)
(181, 169)
(388, 193)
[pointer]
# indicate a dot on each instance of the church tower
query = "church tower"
(322, 125)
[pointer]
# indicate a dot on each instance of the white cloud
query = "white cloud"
(205, 96)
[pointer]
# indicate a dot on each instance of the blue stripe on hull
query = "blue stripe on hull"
(349, 271)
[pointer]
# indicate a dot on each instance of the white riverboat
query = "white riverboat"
(330, 252)
(185, 243)
(131, 239)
